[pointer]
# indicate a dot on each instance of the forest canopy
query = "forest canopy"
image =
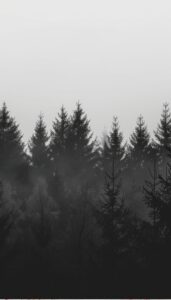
(92, 217)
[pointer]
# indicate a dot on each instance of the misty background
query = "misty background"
(113, 56)
(80, 218)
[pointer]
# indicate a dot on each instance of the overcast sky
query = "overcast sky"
(114, 56)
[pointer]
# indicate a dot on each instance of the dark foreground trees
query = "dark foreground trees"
(82, 221)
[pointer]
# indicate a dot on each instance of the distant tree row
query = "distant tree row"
(71, 143)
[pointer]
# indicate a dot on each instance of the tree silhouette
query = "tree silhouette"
(62, 233)
(58, 142)
(162, 141)
(113, 147)
(139, 143)
(80, 145)
(38, 145)
(11, 145)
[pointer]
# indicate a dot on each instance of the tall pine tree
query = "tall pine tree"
(59, 157)
(162, 141)
(113, 147)
(80, 145)
(12, 154)
(38, 146)
(58, 142)
(139, 144)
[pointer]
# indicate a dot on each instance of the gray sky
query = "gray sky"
(112, 55)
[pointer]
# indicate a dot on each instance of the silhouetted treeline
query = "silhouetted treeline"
(83, 219)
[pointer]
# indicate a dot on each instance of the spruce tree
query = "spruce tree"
(58, 142)
(11, 146)
(80, 145)
(163, 132)
(162, 141)
(38, 145)
(139, 143)
(113, 147)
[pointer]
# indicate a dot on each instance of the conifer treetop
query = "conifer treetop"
(163, 132)
(140, 138)
(38, 143)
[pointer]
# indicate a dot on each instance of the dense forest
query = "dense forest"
(83, 219)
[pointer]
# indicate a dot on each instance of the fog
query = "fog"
(113, 56)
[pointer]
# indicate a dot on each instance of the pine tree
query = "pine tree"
(80, 146)
(139, 143)
(163, 136)
(38, 145)
(58, 142)
(113, 146)
(105, 154)
(11, 146)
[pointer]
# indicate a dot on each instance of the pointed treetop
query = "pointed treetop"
(10, 135)
(139, 148)
(38, 143)
(59, 133)
(80, 144)
(116, 140)
(140, 138)
(163, 132)
(80, 128)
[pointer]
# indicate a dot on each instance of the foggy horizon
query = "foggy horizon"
(111, 56)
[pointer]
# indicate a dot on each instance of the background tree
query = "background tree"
(58, 142)
(12, 154)
(113, 147)
(38, 146)
(162, 141)
(139, 143)
(81, 151)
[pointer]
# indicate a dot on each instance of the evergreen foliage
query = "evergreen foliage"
(163, 132)
(81, 148)
(62, 235)
(11, 145)
(139, 143)
(113, 147)
(38, 145)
